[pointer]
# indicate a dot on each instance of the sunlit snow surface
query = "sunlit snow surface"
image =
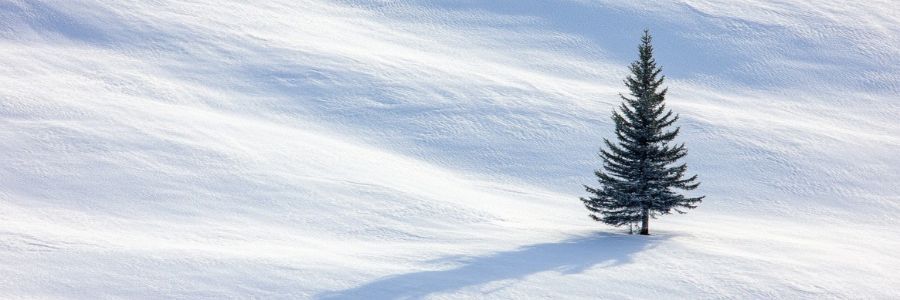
(436, 149)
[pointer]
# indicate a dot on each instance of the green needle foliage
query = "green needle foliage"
(641, 174)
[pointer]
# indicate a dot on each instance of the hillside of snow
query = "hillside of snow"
(437, 149)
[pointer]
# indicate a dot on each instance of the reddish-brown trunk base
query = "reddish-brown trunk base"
(645, 223)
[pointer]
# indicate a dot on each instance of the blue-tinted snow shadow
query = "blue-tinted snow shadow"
(690, 43)
(49, 19)
(567, 257)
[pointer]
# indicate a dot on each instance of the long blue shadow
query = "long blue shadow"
(567, 257)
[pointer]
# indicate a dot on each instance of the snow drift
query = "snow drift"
(382, 149)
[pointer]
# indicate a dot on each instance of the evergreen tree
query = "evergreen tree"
(640, 172)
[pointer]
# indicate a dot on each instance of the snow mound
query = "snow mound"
(436, 149)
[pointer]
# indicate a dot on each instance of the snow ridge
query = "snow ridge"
(436, 149)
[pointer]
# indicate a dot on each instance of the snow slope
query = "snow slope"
(436, 149)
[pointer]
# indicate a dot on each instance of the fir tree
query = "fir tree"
(641, 174)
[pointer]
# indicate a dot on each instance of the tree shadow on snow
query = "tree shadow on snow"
(567, 257)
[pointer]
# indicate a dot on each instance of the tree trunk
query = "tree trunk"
(645, 222)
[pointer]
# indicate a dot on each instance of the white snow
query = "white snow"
(436, 149)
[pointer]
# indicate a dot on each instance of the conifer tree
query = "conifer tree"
(640, 175)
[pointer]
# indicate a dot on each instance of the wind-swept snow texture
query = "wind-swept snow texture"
(436, 149)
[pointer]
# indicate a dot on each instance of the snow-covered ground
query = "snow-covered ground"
(436, 149)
